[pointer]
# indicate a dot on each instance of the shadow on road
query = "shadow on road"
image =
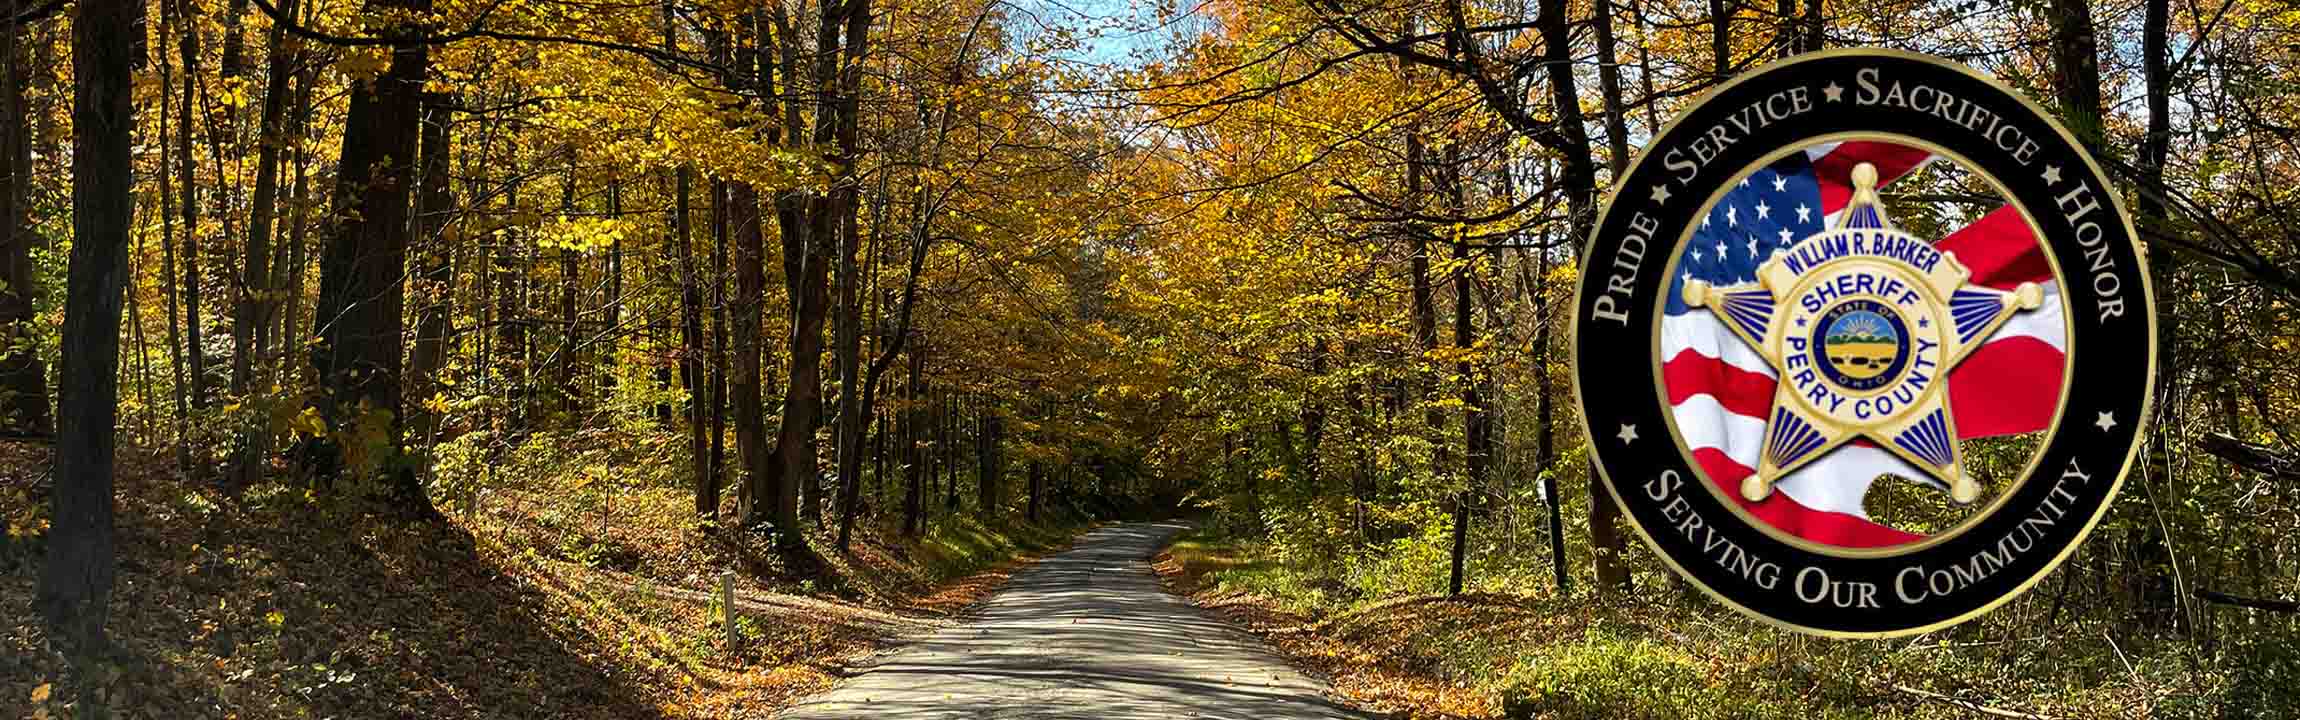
(1085, 634)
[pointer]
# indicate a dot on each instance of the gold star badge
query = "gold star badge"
(1862, 323)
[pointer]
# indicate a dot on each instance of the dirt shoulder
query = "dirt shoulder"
(1364, 659)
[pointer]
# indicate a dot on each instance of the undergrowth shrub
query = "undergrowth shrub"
(1607, 676)
(2261, 685)
(1412, 565)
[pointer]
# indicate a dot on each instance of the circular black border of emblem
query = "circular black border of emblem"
(2112, 361)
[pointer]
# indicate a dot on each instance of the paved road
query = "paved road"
(1086, 634)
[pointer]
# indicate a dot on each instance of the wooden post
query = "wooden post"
(727, 604)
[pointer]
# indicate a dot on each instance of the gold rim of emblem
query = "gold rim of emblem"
(1976, 512)
(2116, 485)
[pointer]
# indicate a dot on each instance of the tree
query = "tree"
(358, 319)
(691, 348)
(2076, 69)
(745, 385)
(916, 458)
(23, 378)
(76, 583)
(252, 314)
(806, 278)
(989, 477)
(195, 352)
(435, 202)
(853, 408)
(1580, 188)
(1609, 88)
(1476, 437)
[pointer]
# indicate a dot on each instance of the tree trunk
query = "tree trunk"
(1721, 36)
(947, 420)
(744, 318)
(1424, 305)
(848, 357)
(434, 204)
(76, 583)
(794, 436)
(1424, 308)
(850, 424)
(358, 319)
(1474, 416)
(880, 445)
(1362, 423)
(1609, 83)
(188, 49)
(23, 378)
(747, 498)
(142, 353)
(2155, 148)
(1424, 296)
(2163, 267)
(570, 329)
(171, 278)
(511, 272)
(1474, 471)
(1815, 25)
(1580, 182)
(299, 196)
(987, 482)
(691, 347)
(1037, 489)
(251, 315)
(914, 462)
(1788, 34)
(224, 141)
(1545, 443)
(1314, 422)
(608, 352)
(823, 216)
(2076, 71)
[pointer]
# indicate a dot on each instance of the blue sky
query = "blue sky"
(1114, 32)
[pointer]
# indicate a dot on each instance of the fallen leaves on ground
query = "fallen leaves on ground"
(274, 605)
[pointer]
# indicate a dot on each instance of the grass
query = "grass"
(281, 604)
(1663, 653)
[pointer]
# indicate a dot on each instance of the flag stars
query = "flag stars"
(1804, 214)
(1733, 217)
(1785, 235)
(1696, 256)
(2052, 174)
(1780, 184)
(1763, 211)
(1753, 244)
(1833, 92)
(1628, 433)
(2106, 422)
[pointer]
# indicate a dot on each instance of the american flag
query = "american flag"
(1721, 390)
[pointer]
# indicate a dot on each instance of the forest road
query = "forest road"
(1086, 634)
